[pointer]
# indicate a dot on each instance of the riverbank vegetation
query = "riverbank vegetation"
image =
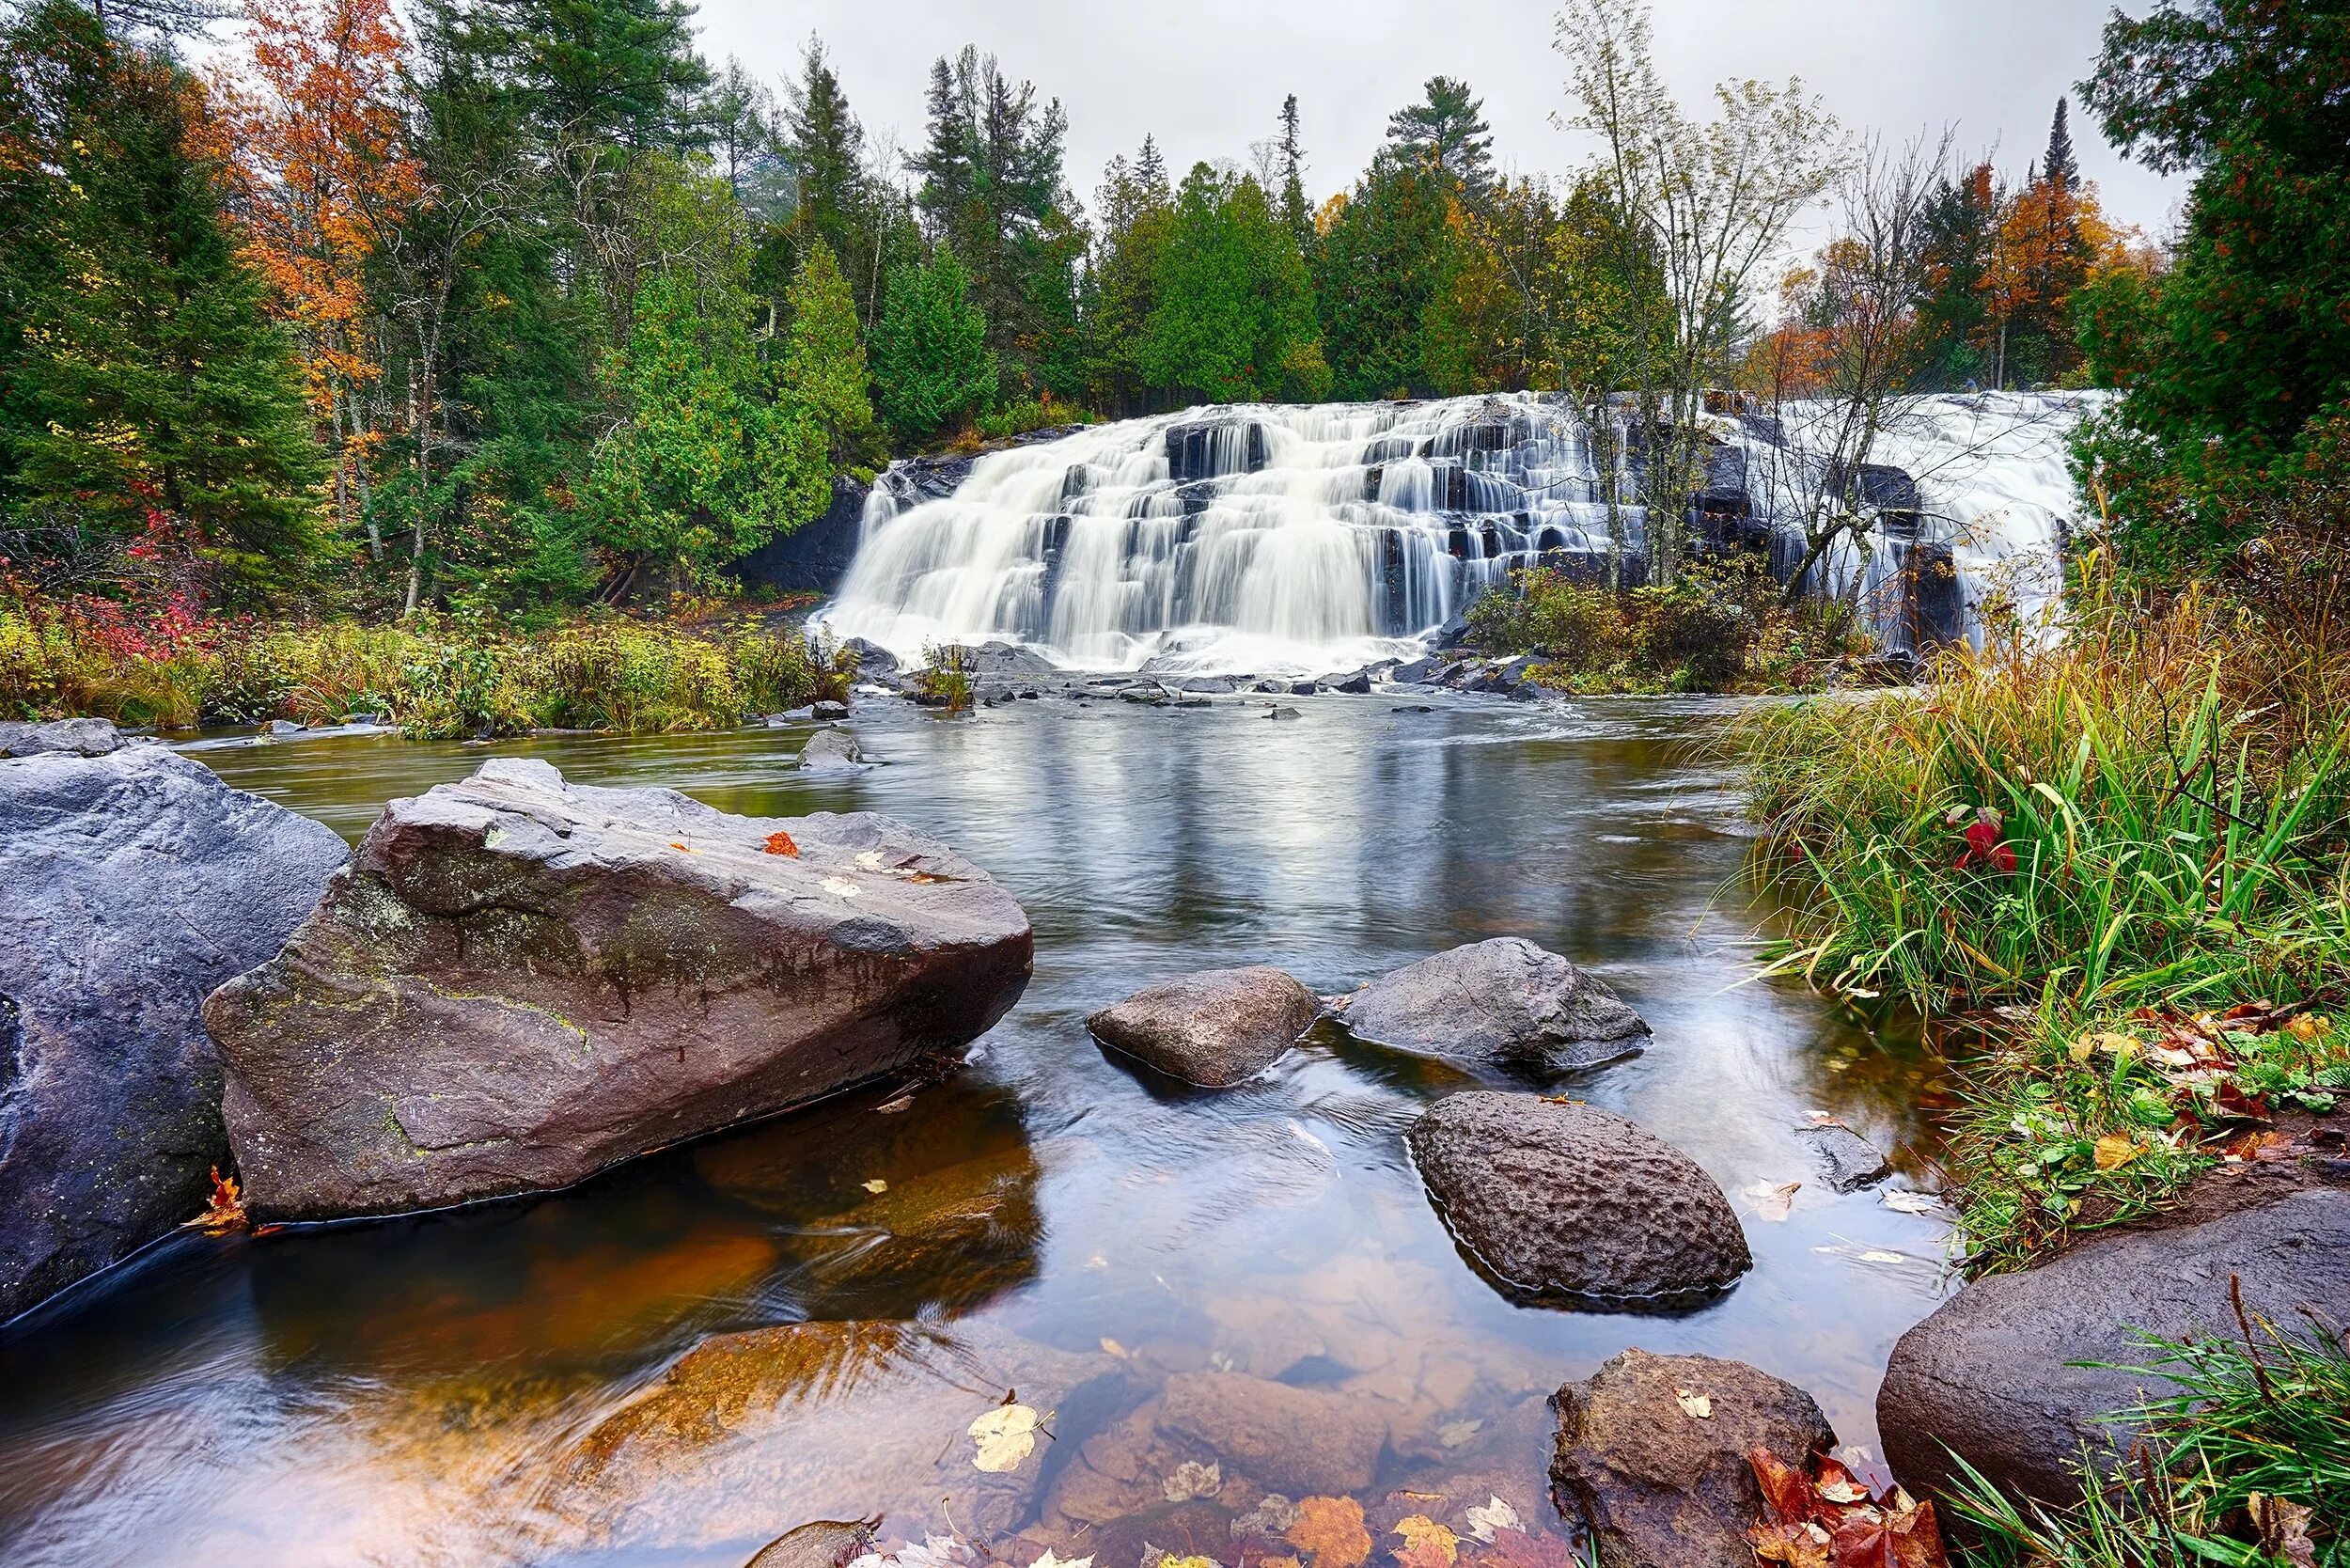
(2118, 843)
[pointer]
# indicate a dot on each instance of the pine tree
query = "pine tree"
(1449, 133)
(1376, 266)
(2060, 167)
(1296, 213)
(826, 146)
(739, 122)
(147, 393)
(823, 371)
(932, 365)
(1151, 169)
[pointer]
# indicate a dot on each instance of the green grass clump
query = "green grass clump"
(2246, 1462)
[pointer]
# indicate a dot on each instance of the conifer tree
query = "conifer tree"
(2060, 167)
(823, 370)
(1296, 213)
(1448, 132)
(932, 365)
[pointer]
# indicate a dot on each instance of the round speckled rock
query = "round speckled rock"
(1556, 1200)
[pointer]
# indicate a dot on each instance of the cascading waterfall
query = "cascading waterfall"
(1307, 540)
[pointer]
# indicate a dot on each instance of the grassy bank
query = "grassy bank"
(435, 676)
(2122, 851)
(1719, 627)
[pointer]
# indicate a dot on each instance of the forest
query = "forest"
(503, 306)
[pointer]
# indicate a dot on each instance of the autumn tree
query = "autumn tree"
(314, 117)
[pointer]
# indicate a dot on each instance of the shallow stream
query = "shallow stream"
(496, 1385)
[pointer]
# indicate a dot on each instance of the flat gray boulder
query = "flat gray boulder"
(1212, 1028)
(1992, 1374)
(831, 751)
(518, 981)
(1501, 1001)
(1659, 1487)
(1557, 1201)
(133, 883)
(1848, 1162)
(81, 737)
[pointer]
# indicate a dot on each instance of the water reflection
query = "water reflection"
(700, 1350)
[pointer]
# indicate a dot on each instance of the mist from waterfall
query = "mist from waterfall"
(1307, 540)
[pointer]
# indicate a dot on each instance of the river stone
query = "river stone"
(518, 981)
(1556, 1199)
(1848, 1161)
(831, 750)
(1212, 1028)
(1658, 1487)
(1300, 1442)
(134, 883)
(1995, 1374)
(81, 737)
(825, 1543)
(1504, 1000)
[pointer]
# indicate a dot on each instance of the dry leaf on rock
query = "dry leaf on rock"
(1693, 1405)
(1803, 1545)
(1772, 1200)
(1271, 1517)
(1005, 1437)
(1426, 1543)
(781, 843)
(877, 1185)
(1331, 1528)
(1485, 1519)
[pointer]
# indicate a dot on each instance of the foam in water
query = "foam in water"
(1307, 540)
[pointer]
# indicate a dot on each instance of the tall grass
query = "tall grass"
(2140, 833)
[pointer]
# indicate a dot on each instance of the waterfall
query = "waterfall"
(1307, 540)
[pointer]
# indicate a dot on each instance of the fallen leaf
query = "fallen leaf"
(1836, 1485)
(840, 887)
(1193, 1480)
(1452, 1435)
(2115, 1149)
(1426, 1543)
(1049, 1560)
(1331, 1528)
(1875, 1256)
(1772, 1200)
(781, 843)
(1906, 1203)
(904, 1102)
(877, 1185)
(1272, 1517)
(1695, 1405)
(224, 1211)
(1803, 1545)
(1168, 1559)
(688, 850)
(1786, 1495)
(2284, 1529)
(1114, 1347)
(1005, 1437)
(1483, 1520)
(2307, 1027)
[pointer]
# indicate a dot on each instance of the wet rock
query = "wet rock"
(1412, 708)
(829, 710)
(1413, 673)
(1284, 714)
(284, 727)
(1217, 685)
(1356, 685)
(1008, 661)
(1213, 1027)
(133, 883)
(826, 1544)
(790, 715)
(1503, 1000)
(1298, 1441)
(81, 737)
(1659, 1487)
(1272, 688)
(1568, 1200)
(872, 661)
(518, 981)
(1995, 1372)
(1150, 692)
(1847, 1161)
(831, 750)
(1303, 688)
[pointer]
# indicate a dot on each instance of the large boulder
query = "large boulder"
(133, 882)
(1505, 1000)
(1656, 1484)
(832, 751)
(1215, 1027)
(81, 737)
(518, 981)
(1563, 1200)
(1997, 1374)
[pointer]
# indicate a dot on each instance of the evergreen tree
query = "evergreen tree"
(1296, 213)
(739, 122)
(932, 365)
(824, 369)
(1447, 132)
(825, 147)
(2058, 166)
(1135, 209)
(147, 393)
(1962, 229)
(1376, 265)
(1233, 320)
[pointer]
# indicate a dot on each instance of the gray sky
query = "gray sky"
(1207, 76)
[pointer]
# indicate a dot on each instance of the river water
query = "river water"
(494, 1385)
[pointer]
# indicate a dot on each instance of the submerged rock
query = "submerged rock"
(133, 882)
(1996, 1374)
(831, 750)
(1659, 1487)
(518, 981)
(1505, 1000)
(1556, 1199)
(1848, 1161)
(1215, 1027)
(1284, 714)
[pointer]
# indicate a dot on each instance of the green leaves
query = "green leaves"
(932, 364)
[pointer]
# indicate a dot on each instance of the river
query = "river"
(442, 1390)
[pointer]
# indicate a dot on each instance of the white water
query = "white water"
(1309, 540)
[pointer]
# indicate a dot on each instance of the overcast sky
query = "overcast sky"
(1207, 76)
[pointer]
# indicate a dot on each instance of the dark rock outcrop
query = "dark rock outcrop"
(133, 882)
(1659, 1487)
(1995, 1374)
(1563, 1200)
(518, 982)
(1215, 1027)
(815, 557)
(1504, 1000)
